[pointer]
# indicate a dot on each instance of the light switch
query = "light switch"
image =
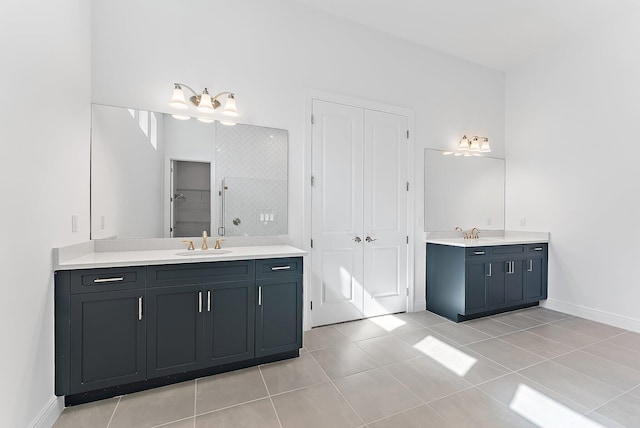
(523, 221)
(74, 223)
(101, 222)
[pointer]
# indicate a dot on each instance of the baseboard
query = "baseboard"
(49, 414)
(419, 305)
(593, 314)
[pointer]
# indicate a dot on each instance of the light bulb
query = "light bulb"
(177, 99)
(205, 120)
(180, 117)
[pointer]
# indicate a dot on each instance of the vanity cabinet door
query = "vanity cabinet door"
(497, 284)
(536, 278)
(107, 339)
(475, 296)
(278, 315)
(229, 322)
(515, 283)
(174, 330)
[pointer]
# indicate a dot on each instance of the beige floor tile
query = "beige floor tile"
(292, 374)
(343, 360)
(505, 354)
(90, 415)
(387, 349)
(584, 390)
(317, 406)
(426, 338)
(618, 354)
(543, 314)
(419, 417)
(424, 318)
(228, 389)
(532, 401)
(482, 370)
(460, 333)
(593, 420)
(183, 423)
(323, 337)
(537, 344)
(517, 320)
(624, 410)
(394, 324)
(605, 371)
(428, 378)
(254, 414)
(630, 340)
(589, 328)
(564, 336)
(490, 326)
(155, 406)
(473, 408)
(376, 394)
(361, 329)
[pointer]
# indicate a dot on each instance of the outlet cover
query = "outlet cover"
(74, 223)
(523, 221)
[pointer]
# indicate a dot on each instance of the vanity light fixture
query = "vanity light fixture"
(473, 145)
(203, 102)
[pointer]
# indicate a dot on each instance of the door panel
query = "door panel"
(385, 213)
(336, 212)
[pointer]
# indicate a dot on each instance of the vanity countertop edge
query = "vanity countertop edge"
(509, 238)
(169, 256)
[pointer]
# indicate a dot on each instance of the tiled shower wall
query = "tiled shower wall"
(252, 162)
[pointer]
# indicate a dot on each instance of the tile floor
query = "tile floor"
(533, 367)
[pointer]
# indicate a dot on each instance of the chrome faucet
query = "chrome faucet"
(464, 234)
(204, 240)
(474, 234)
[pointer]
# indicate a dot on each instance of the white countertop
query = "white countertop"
(164, 256)
(509, 238)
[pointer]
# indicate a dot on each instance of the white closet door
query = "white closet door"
(337, 204)
(385, 213)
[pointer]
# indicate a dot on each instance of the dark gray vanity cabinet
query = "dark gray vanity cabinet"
(100, 329)
(468, 282)
(279, 306)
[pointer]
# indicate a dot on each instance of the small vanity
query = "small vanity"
(127, 321)
(471, 278)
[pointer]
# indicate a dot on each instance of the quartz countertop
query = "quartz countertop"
(171, 256)
(509, 238)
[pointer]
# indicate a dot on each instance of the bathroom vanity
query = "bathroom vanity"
(471, 278)
(131, 320)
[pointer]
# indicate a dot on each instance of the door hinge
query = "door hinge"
(312, 243)
(407, 239)
(313, 180)
(311, 305)
(313, 119)
(407, 186)
(407, 134)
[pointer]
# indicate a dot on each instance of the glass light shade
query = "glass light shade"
(484, 146)
(205, 120)
(230, 107)
(204, 105)
(475, 145)
(227, 123)
(177, 99)
(464, 143)
(180, 117)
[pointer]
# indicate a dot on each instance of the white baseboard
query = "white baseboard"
(593, 314)
(49, 413)
(419, 305)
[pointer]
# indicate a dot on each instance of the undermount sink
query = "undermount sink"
(203, 253)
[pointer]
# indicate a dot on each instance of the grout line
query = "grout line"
(114, 411)
(172, 422)
(273, 406)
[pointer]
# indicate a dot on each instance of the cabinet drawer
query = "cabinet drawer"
(270, 268)
(508, 250)
(537, 249)
(477, 252)
(199, 273)
(107, 279)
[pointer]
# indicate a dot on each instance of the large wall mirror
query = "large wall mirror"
(154, 176)
(465, 191)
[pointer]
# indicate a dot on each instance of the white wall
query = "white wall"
(44, 138)
(269, 53)
(572, 125)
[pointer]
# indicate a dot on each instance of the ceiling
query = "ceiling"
(500, 34)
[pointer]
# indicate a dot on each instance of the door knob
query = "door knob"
(370, 239)
(357, 239)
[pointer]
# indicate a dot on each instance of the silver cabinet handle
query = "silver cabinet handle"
(199, 301)
(489, 274)
(509, 267)
(139, 308)
(479, 253)
(357, 239)
(260, 295)
(208, 300)
(281, 268)
(530, 265)
(115, 279)
(538, 249)
(370, 239)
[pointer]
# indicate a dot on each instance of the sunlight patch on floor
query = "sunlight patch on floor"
(448, 356)
(388, 322)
